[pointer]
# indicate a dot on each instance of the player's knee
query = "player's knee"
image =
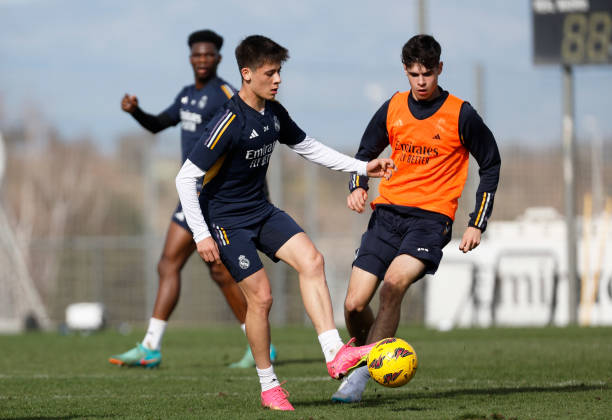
(397, 282)
(261, 302)
(352, 305)
(394, 288)
(313, 264)
(166, 267)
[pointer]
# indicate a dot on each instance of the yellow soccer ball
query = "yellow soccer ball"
(392, 362)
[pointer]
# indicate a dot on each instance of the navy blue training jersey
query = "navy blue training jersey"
(235, 151)
(194, 108)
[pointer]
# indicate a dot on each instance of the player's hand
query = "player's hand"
(357, 199)
(381, 167)
(208, 250)
(470, 240)
(129, 103)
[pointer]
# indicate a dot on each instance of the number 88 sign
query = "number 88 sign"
(572, 32)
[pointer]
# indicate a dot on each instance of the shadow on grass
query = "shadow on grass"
(508, 390)
(377, 399)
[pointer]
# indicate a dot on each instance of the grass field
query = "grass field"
(551, 373)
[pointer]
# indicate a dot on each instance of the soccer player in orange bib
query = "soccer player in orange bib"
(431, 134)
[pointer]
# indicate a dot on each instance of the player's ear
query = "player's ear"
(405, 69)
(440, 67)
(246, 74)
(219, 59)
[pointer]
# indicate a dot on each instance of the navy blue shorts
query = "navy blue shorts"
(391, 234)
(178, 217)
(238, 246)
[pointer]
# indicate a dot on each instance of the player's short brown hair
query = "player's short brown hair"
(256, 50)
(421, 49)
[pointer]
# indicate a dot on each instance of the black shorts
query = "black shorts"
(391, 234)
(238, 246)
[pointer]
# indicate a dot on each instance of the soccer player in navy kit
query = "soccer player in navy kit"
(431, 133)
(193, 108)
(231, 219)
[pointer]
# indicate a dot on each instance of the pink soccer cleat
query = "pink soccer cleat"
(348, 358)
(276, 399)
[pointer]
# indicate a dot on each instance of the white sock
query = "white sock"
(243, 328)
(330, 344)
(267, 378)
(155, 333)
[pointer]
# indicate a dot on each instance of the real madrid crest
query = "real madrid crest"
(276, 124)
(202, 102)
(243, 262)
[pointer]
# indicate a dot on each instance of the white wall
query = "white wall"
(525, 253)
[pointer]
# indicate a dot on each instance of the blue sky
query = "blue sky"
(75, 59)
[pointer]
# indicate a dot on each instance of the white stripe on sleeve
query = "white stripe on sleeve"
(317, 152)
(484, 210)
(186, 185)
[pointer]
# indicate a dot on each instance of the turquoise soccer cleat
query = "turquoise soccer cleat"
(138, 356)
(247, 360)
(272, 353)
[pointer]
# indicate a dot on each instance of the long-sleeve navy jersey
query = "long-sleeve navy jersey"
(193, 108)
(235, 151)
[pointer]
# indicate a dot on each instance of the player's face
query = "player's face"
(264, 80)
(423, 81)
(204, 59)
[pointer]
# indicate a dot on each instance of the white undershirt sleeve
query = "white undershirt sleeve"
(186, 185)
(317, 152)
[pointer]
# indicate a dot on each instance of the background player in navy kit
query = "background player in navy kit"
(233, 155)
(431, 133)
(193, 107)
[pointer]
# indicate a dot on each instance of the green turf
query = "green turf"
(550, 373)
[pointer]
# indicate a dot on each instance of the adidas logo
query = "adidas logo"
(436, 137)
(253, 134)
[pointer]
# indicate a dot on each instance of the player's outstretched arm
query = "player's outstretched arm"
(381, 167)
(357, 199)
(317, 152)
(470, 240)
(153, 123)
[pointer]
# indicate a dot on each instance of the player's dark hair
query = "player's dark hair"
(421, 49)
(205, 35)
(256, 50)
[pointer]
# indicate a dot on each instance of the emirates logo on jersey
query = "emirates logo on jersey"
(415, 154)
